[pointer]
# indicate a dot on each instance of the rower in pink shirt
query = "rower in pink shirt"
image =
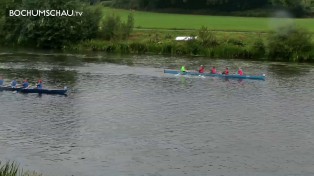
(226, 72)
(202, 69)
(240, 72)
(213, 71)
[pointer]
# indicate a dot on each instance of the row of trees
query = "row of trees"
(60, 31)
(298, 7)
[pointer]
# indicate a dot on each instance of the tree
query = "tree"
(112, 28)
(298, 8)
(48, 31)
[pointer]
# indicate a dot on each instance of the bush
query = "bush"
(139, 48)
(195, 47)
(124, 48)
(112, 28)
(2, 20)
(258, 49)
(235, 42)
(207, 37)
(231, 51)
(294, 44)
(180, 49)
(167, 48)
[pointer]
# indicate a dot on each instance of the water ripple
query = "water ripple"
(135, 120)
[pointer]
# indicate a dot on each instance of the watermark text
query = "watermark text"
(46, 13)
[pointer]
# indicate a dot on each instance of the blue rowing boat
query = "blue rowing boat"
(231, 76)
(39, 91)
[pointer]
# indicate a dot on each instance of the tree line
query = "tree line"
(297, 7)
(61, 31)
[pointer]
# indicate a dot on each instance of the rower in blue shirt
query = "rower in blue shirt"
(13, 83)
(1, 81)
(40, 84)
(25, 84)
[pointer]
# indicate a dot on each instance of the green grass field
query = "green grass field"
(150, 20)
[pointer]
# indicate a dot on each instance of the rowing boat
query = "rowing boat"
(231, 76)
(39, 91)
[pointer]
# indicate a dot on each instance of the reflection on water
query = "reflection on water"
(288, 70)
(122, 119)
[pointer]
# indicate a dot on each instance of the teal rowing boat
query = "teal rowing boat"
(231, 76)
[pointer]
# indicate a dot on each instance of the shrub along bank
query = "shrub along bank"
(290, 44)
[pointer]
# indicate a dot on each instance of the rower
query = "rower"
(226, 72)
(39, 84)
(202, 69)
(183, 69)
(213, 71)
(240, 72)
(1, 81)
(13, 83)
(25, 84)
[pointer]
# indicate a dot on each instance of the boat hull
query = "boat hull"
(39, 91)
(194, 73)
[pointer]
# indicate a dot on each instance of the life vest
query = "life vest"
(202, 69)
(13, 84)
(183, 69)
(240, 72)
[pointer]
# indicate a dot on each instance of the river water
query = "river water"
(124, 116)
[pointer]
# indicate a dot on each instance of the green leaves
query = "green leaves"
(207, 37)
(295, 44)
(112, 28)
(8, 169)
(12, 169)
(48, 31)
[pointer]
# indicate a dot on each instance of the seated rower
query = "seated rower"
(1, 81)
(39, 84)
(13, 83)
(213, 71)
(202, 69)
(25, 84)
(226, 72)
(183, 69)
(240, 72)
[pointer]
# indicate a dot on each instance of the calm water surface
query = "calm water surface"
(124, 116)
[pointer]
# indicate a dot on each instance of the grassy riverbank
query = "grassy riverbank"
(229, 45)
(225, 37)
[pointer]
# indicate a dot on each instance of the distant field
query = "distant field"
(149, 20)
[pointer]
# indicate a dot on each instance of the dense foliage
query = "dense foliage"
(290, 43)
(286, 44)
(112, 28)
(49, 32)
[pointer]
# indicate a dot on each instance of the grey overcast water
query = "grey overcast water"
(124, 117)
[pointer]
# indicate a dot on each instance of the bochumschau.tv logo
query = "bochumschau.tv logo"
(45, 13)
